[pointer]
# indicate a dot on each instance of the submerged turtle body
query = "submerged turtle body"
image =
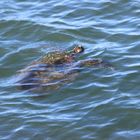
(44, 76)
(55, 69)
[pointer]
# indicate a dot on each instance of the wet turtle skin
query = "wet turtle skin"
(95, 62)
(48, 72)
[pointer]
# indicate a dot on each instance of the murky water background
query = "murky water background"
(99, 103)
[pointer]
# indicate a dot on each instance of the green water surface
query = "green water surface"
(100, 104)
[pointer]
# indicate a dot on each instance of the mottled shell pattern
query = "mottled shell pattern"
(55, 58)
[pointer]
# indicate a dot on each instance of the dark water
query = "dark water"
(100, 104)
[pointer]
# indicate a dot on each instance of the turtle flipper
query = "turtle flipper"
(95, 63)
(30, 77)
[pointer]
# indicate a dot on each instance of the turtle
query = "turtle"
(55, 68)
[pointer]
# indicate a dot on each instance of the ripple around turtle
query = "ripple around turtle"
(99, 103)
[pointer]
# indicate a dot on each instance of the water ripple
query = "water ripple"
(100, 103)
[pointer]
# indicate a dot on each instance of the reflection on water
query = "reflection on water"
(99, 103)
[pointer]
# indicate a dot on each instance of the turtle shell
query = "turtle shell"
(57, 58)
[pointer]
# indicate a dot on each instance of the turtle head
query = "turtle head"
(78, 49)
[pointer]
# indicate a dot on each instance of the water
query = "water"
(100, 104)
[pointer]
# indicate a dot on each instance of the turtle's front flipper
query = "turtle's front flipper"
(95, 63)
